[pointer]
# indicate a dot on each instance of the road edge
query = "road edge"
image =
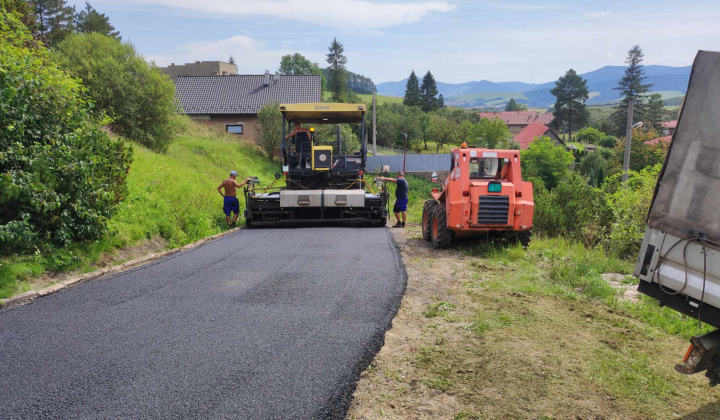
(31, 295)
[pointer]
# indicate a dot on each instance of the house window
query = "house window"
(234, 129)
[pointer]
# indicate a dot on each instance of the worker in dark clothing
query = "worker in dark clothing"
(401, 198)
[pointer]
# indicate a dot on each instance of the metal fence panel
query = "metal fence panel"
(413, 163)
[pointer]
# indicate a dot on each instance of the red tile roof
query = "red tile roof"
(529, 134)
(519, 117)
(668, 124)
(653, 142)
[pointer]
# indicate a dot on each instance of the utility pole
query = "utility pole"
(374, 126)
(404, 151)
(628, 141)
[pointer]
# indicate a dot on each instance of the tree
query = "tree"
(298, 64)
(231, 60)
(655, 110)
(338, 73)
(269, 128)
(589, 135)
(442, 130)
(61, 175)
(412, 91)
(546, 161)
(23, 11)
(631, 87)
(394, 119)
(55, 20)
(89, 20)
(137, 95)
(428, 93)
(441, 102)
(511, 105)
(493, 133)
(570, 92)
(594, 166)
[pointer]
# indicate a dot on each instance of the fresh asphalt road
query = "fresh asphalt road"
(272, 323)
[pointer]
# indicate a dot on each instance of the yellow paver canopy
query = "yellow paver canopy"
(323, 113)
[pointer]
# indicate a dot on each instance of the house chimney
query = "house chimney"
(267, 77)
(276, 78)
(172, 64)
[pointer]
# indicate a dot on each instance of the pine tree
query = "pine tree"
(631, 86)
(231, 60)
(412, 91)
(428, 93)
(90, 20)
(655, 110)
(511, 105)
(56, 20)
(570, 92)
(337, 71)
(441, 101)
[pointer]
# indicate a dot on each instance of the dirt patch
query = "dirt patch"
(140, 249)
(467, 344)
(627, 290)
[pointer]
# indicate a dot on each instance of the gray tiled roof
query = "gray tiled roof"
(243, 94)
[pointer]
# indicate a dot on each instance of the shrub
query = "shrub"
(138, 97)
(594, 166)
(609, 142)
(589, 135)
(269, 128)
(546, 161)
(61, 176)
(630, 207)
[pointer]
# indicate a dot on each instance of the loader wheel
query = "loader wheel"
(441, 235)
(524, 238)
(427, 218)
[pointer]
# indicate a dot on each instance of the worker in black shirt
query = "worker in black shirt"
(401, 198)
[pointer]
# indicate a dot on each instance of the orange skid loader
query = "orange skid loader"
(482, 196)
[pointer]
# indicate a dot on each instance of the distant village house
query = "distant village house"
(200, 68)
(533, 131)
(516, 121)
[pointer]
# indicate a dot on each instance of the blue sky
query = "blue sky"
(531, 41)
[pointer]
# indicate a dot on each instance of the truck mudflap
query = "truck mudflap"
(702, 355)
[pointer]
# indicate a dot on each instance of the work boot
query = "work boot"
(398, 225)
(232, 226)
(403, 224)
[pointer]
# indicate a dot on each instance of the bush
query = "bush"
(138, 97)
(61, 176)
(546, 161)
(594, 166)
(630, 207)
(589, 135)
(269, 128)
(609, 142)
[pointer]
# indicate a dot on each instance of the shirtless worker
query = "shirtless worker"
(401, 198)
(231, 203)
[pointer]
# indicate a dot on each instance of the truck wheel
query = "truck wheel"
(524, 238)
(427, 217)
(441, 235)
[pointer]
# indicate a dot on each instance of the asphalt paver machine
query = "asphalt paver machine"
(324, 181)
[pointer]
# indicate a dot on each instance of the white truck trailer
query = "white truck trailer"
(679, 260)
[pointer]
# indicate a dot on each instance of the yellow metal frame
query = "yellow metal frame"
(314, 148)
(323, 113)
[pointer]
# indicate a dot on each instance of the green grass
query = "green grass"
(171, 195)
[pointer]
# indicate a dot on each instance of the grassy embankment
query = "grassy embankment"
(172, 200)
(488, 331)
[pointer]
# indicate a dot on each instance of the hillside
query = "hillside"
(171, 201)
(670, 81)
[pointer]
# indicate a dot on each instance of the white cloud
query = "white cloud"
(601, 14)
(252, 56)
(345, 14)
(609, 55)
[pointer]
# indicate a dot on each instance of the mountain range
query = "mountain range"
(671, 82)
